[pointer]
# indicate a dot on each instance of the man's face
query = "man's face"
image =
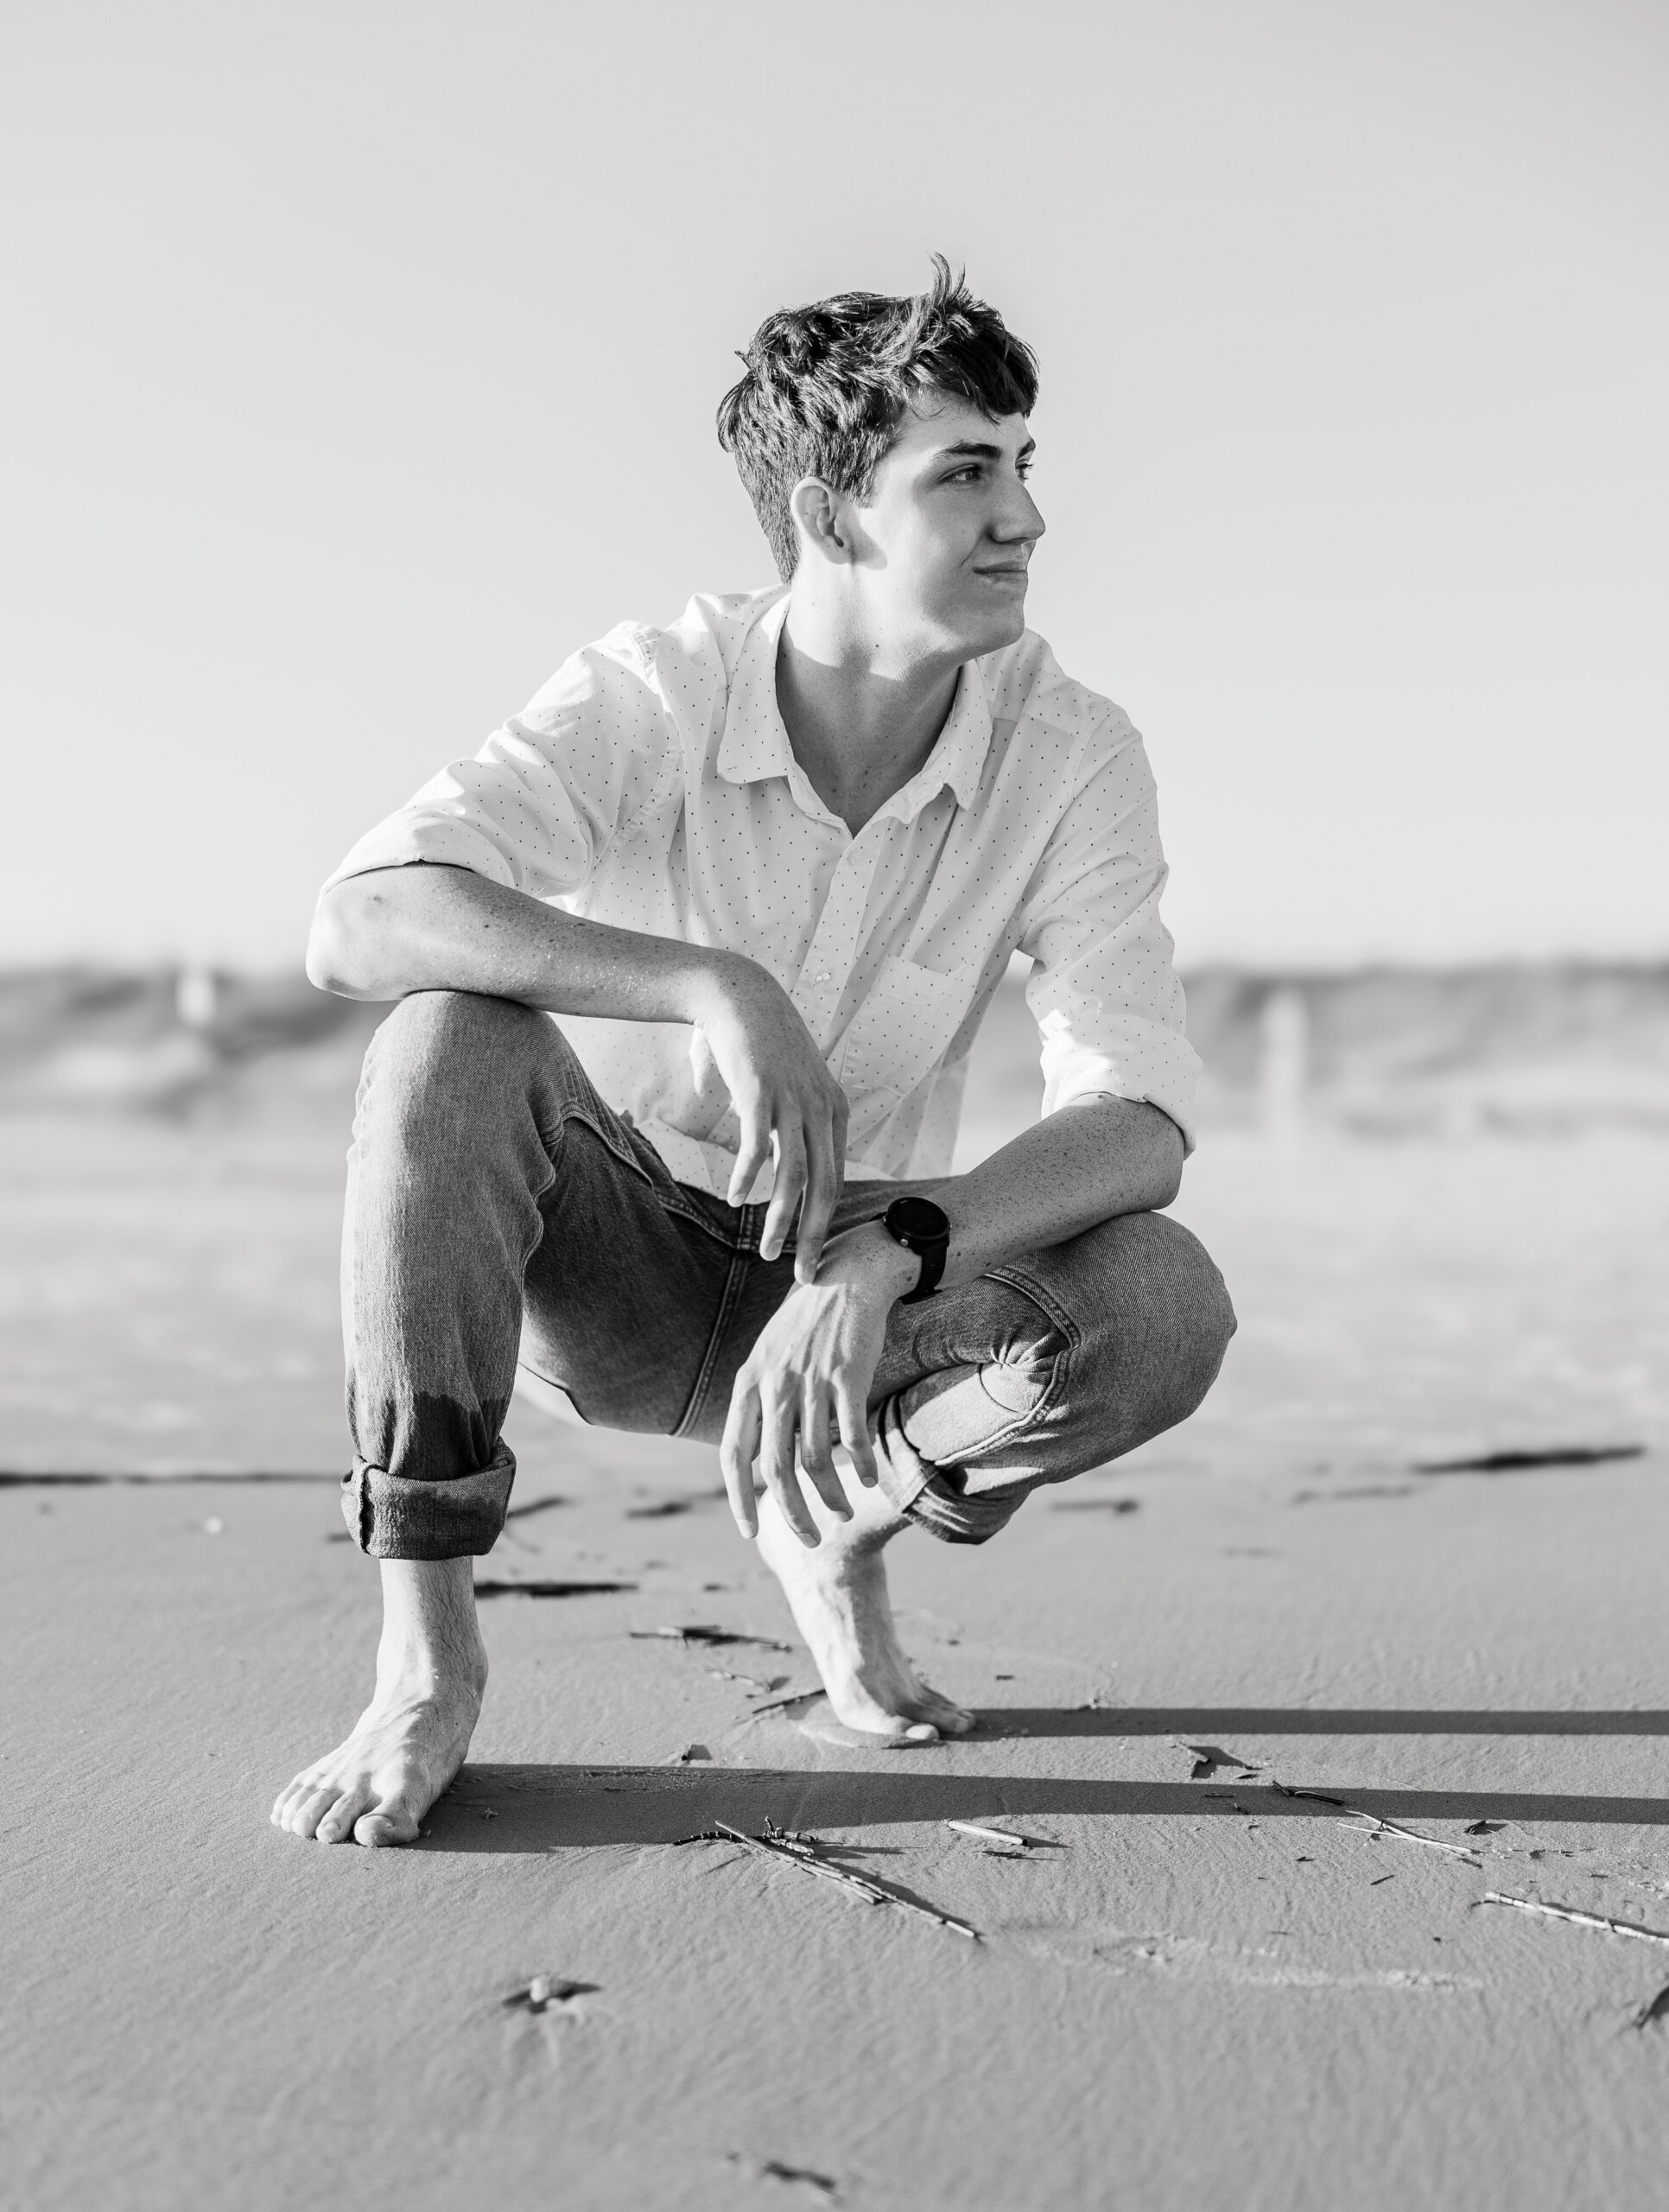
(944, 537)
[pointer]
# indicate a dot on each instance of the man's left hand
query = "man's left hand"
(807, 1381)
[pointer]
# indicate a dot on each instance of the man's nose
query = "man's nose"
(1021, 518)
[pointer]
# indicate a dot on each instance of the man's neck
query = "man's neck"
(860, 727)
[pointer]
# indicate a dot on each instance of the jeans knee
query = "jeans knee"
(1198, 1318)
(1210, 1319)
(436, 1027)
(1163, 1321)
(445, 1059)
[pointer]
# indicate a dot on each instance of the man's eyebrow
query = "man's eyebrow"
(971, 449)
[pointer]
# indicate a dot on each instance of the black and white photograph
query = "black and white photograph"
(835, 1106)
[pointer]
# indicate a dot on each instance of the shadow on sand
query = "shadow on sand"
(997, 1724)
(499, 1810)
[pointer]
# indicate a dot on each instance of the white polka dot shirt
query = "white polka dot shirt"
(651, 785)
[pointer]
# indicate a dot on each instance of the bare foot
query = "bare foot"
(411, 1738)
(839, 1598)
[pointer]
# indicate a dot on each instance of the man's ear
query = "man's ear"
(818, 518)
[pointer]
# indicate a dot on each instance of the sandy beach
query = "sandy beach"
(1195, 1986)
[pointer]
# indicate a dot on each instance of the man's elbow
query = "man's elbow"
(336, 948)
(1167, 1183)
(1165, 1166)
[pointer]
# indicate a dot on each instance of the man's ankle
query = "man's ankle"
(418, 1667)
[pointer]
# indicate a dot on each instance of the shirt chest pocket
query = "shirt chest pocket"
(903, 1028)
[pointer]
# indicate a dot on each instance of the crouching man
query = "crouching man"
(768, 866)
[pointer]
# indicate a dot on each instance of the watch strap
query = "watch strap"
(932, 1257)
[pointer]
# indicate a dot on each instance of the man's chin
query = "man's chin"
(991, 629)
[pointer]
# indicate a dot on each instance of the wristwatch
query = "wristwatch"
(922, 1228)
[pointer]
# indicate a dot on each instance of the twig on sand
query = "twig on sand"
(789, 1697)
(753, 1681)
(1006, 1837)
(1314, 1797)
(1509, 1463)
(1579, 1919)
(705, 1632)
(1377, 1824)
(776, 2170)
(545, 1990)
(1412, 1835)
(804, 1857)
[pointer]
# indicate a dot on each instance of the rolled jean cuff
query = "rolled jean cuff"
(931, 1495)
(391, 1517)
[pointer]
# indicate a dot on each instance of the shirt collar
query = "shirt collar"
(755, 746)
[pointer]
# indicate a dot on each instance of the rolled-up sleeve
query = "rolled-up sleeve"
(538, 804)
(1103, 990)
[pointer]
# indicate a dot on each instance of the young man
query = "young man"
(768, 866)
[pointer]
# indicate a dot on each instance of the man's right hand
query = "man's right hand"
(784, 1097)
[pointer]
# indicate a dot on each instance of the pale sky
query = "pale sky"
(362, 362)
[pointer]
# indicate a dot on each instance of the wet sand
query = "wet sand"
(1191, 1993)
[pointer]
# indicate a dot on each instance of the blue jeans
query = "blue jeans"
(496, 1201)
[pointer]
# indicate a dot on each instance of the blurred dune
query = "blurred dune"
(1529, 1050)
(175, 1041)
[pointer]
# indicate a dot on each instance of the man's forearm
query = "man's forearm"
(425, 928)
(1098, 1157)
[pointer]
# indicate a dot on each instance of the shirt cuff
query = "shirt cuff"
(1169, 1086)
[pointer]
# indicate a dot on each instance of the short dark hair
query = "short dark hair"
(826, 387)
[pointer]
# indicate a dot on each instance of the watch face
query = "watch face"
(916, 1219)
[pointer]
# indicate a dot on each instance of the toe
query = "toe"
(309, 1808)
(389, 1824)
(906, 1739)
(286, 1798)
(338, 1823)
(950, 1720)
(888, 1722)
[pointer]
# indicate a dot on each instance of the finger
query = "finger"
(822, 1188)
(854, 1433)
(785, 1191)
(752, 1153)
(815, 1456)
(781, 1419)
(736, 1454)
